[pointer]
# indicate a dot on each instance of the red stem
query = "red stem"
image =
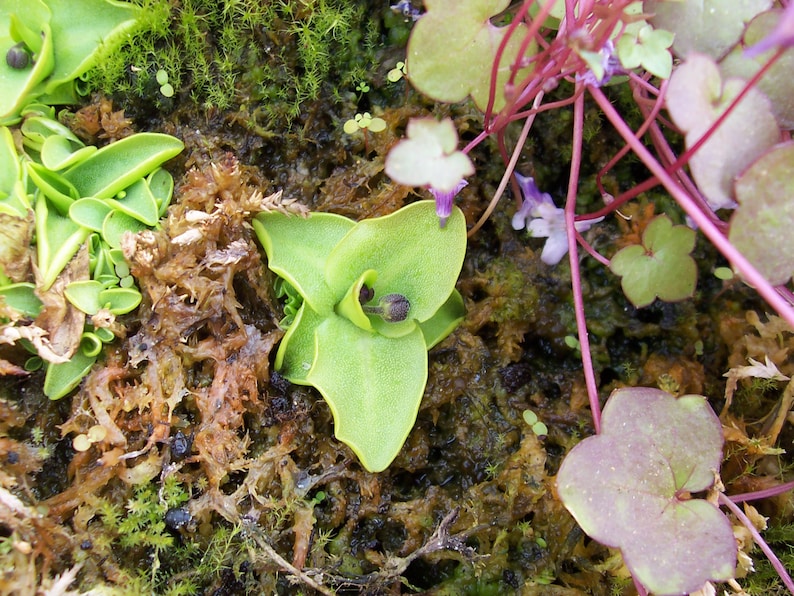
(750, 274)
(781, 570)
(573, 259)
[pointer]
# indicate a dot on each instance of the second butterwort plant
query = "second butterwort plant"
(376, 295)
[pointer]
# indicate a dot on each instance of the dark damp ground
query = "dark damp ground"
(239, 486)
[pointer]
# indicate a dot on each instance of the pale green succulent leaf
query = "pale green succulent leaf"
(376, 398)
(297, 249)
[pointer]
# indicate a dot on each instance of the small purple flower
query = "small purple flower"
(782, 35)
(444, 201)
(610, 66)
(543, 219)
(406, 9)
(532, 198)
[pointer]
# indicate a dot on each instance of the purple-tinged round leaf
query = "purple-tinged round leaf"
(761, 226)
(630, 486)
(707, 26)
(695, 98)
(777, 84)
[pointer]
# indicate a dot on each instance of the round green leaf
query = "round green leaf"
(453, 47)
(120, 301)
(89, 213)
(84, 295)
(629, 488)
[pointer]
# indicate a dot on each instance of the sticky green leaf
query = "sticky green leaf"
(22, 298)
(116, 166)
(116, 224)
(89, 213)
(297, 250)
(16, 85)
(444, 320)
(393, 246)
(161, 183)
(137, 201)
(53, 185)
(81, 29)
(61, 379)
(84, 295)
(630, 486)
(453, 47)
(9, 162)
(372, 372)
(660, 267)
(58, 153)
(296, 352)
(58, 239)
(120, 301)
(376, 399)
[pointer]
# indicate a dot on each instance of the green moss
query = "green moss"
(237, 52)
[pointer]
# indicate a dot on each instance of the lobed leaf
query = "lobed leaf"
(630, 486)
(661, 267)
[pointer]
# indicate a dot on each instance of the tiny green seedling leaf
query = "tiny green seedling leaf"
(453, 47)
(762, 223)
(661, 267)
(429, 156)
(630, 488)
(648, 49)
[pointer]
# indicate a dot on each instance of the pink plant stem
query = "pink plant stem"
(573, 258)
(750, 274)
(781, 570)
(511, 165)
(763, 494)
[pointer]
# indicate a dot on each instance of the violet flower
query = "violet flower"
(543, 219)
(444, 201)
(532, 198)
(406, 9)
(609, 67)
(782, 35)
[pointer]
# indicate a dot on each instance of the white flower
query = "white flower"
(549, 222)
